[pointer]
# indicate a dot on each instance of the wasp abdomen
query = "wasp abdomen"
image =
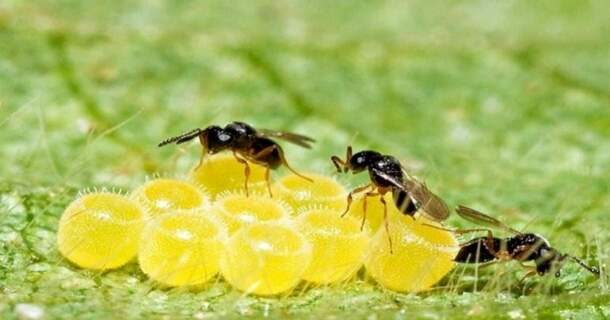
(266, 151)
(476, 251)
(403, 202)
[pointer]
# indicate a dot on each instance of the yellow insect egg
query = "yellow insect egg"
(237, 210)
(338, 245)
(421, 255)
(265, 258)
(100, 230)
(182, 248)
(374, 211)
(301, 194)
(160, 196)
(222, 172)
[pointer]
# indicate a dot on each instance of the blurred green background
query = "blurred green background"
(501, 105)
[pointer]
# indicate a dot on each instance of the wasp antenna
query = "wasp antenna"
(339, 164)
(589, 268)
(181, 138)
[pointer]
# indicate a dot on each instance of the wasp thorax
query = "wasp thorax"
(241, 132)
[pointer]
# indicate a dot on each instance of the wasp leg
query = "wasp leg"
(200, 160)
(490, 244)
(350, 197)
(487, 264)
(385, 214)
(268, 180)
(246, 171)
(280, 152)
(364, 207)
(525, 266)
(348, 153)
(385, 221)
(203, 151)
(489, 239)
(285, 163)
(339, 164)
(531, 271)
(263, 153)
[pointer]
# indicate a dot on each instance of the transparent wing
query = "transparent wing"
(300, 140)
(431, 204)
(395, 182)
(482, 219)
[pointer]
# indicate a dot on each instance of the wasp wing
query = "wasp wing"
(298, 139)
(482, 219)
(431, 204)
(394, 181)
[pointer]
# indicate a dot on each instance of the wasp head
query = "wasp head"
(361, 160)
(551, 260)
(355, 162)
(216, 139)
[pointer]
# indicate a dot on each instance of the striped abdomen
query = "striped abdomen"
(477, 251)
(403, 202)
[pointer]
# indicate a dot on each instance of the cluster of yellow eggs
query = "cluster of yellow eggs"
(186, 232)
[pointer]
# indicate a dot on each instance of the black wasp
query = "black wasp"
(247, 144)
(387, 175)
(520, 247)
